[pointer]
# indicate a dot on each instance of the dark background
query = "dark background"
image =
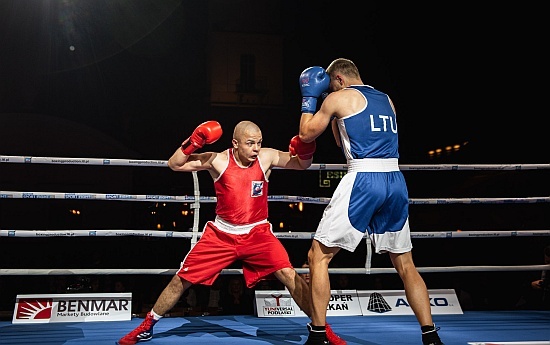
(456, 72)
(138, 71)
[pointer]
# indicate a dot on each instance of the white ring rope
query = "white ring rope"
(291, 235)
(163, 164)
(283, 198)
(129, 271)
(280, 235)
(196, 199)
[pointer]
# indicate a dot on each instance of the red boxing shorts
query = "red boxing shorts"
(259, 250)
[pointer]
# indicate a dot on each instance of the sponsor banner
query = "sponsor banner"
(277, 303)
(394, 302)
(46, 308)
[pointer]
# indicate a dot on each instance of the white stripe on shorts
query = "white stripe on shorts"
(373, 165)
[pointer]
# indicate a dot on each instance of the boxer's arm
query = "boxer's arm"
(312, 126)
(283, 159)
(194, 162)
(183, 158)
(335, 132)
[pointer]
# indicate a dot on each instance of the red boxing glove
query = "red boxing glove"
(301, 149)
(206, 133)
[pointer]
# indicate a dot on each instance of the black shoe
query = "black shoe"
(430, 336)
(316, 337)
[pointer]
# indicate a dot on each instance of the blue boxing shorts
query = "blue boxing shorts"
(371, 198)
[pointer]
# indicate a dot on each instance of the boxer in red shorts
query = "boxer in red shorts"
(240, 230)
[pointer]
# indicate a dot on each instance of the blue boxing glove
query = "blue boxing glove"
(313, 82)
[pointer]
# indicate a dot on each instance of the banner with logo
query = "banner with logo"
(82, 307)
(277, 303)
(394, 302)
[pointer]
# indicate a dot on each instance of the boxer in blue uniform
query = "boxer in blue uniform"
(372, 197)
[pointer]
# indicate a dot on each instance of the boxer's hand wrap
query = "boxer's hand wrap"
(313, 82)
(303, 150)
(206, 133)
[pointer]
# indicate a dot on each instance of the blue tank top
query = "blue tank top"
(371, 132)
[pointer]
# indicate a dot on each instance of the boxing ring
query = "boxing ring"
(508, 327)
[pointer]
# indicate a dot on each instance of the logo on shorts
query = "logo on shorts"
(34, 309)
(257, 188)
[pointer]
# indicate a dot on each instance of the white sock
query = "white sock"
(155, 315)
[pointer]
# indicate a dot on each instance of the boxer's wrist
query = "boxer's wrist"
(187, 147)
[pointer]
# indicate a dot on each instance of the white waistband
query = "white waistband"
(373, 165)
(231, 228)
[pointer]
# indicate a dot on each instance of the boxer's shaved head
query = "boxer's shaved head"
(244, 127)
